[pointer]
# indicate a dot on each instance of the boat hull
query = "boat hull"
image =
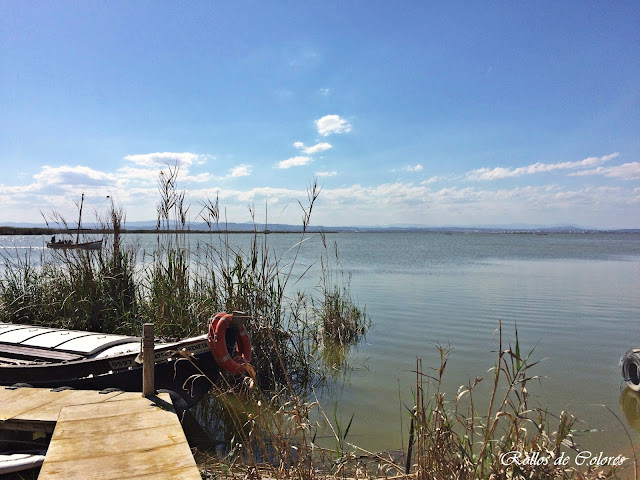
(97, 245)
(191, 379)
(47, 357)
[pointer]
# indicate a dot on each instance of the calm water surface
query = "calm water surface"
(574, 297)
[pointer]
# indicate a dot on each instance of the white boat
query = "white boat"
(69, 245)
(18, 462)
(53, 358)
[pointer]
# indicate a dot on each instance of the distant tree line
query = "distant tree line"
(30, 231)
(7, 230)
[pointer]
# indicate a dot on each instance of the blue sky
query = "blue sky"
(434, 113)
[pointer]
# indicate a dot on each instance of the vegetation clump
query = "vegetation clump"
(279, 434)
(179, 286)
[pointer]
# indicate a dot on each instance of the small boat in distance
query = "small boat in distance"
(69, 245)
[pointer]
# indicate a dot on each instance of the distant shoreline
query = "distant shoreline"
(103, 231)
(11, 230)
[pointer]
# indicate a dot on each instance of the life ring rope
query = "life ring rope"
(218, 345)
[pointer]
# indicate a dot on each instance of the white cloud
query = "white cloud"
(78, 175)
(626, 171)
(200, 178)
(149, 176)
(318, 147)
(144, 175)
(431, 180)
(410, 203)
(134, 186)
(162, 159)
(240, 171)
(295, 162)
(400, 202)
(413, 168)
(332, 173)
(482, 174)
(324, 92)
(332, 124)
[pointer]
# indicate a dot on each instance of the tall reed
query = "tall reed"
(275, 435)
(75, 288)
(513, 439)
(179, 285)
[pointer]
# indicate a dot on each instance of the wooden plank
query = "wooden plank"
(122, 406)
(21, 400)
(98, 428)
(54, 401)
(125, 439)
(148, 367)
(161, 464)
(37, 409)
(125, 396)
(35, 353)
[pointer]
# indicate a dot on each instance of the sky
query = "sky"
(403, 112)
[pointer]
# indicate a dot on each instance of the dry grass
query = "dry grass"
(274, 436)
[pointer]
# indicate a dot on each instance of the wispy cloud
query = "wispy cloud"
(332, 124)
(318, 147)
(626, 171)
(295, 162)
(161, 159)
(199, 178)
(240, 171)
(149, 165)
(413, 168)
(433, 179)
(332, 173)
(485, 174)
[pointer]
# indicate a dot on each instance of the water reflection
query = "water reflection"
(630, 405)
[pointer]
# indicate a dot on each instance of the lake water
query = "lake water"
(575, 298)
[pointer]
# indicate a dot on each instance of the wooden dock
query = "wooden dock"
(113, 435)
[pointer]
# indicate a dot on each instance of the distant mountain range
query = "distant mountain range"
(250, 227)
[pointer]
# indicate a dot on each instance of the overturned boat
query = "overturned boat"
(52, 357)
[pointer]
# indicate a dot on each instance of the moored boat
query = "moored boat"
(18, 462)
(51, 357)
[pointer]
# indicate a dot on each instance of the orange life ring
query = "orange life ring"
(218, 345)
